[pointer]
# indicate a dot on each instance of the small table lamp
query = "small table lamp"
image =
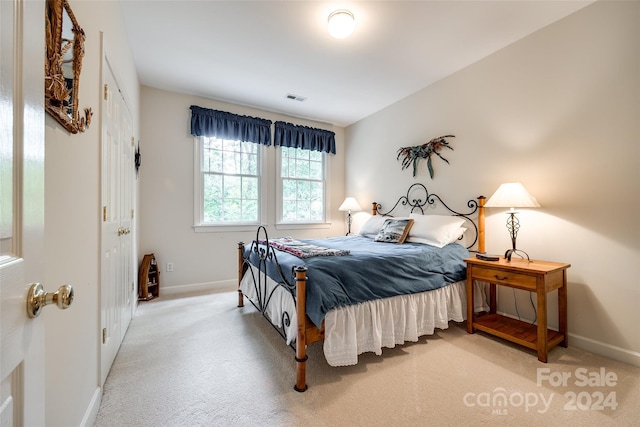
(349, 204)
(512, 195)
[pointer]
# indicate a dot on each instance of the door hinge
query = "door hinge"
(104, 335)
(132, 142)
(106, 91)
(131, 286)
(132, 213)
(104, 214)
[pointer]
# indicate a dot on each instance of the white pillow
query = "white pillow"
(435, 230)
(445, 242)
(372, 227)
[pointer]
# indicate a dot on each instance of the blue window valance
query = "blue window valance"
(307, 138)
(224, 125)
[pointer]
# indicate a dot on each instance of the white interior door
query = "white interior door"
(117, 282)
(21, 210)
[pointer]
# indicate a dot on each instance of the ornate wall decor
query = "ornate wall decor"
(62, 66)
(411, 155)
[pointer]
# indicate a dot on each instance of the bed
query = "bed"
(366, 292)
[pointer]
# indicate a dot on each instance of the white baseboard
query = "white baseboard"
(603, 349)
(207, 287)
(607, 350)
(91, 413)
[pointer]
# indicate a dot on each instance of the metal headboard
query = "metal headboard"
(418, 198)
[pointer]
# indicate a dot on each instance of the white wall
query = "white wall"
(558, 111)
(72, 225)
(204, 261)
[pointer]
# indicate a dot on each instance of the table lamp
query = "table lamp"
(350, 204)
(512, 195)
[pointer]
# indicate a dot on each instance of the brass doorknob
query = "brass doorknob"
(38, 298)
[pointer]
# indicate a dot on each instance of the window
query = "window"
(228, 184)
(302, 174)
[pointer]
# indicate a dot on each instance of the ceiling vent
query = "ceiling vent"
(296, 97)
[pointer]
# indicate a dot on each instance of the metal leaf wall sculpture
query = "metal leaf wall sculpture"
(411, 155)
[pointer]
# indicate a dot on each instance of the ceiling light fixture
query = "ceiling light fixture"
(341, 23)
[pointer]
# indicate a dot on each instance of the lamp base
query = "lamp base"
(518, 252)
(349, 224)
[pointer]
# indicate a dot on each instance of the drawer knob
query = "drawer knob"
(501, 278)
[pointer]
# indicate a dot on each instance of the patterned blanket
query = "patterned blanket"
(302, 249)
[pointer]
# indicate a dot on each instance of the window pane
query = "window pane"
(250, 189)
(228, 145)
(302, 154)
(231, 181)
(249, 164)
(289, 189)
(231, 162)
(292, 167)
(304, 208)
(250, 210)
(289, 211)
(232, 210)
(212, 198)
(211, 159)
(316, 191)
(284, 153)
(303, 184)
(304, 190)
(316, 156)
(232, 187)
(316, 170)
(316, 211)
(302, 169)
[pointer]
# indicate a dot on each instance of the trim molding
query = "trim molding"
(221, 286)
(597, 347)
(607, 350)
(91, 413)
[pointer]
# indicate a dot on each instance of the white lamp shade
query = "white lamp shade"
(512, 195)
(350, 204)
(341, 24)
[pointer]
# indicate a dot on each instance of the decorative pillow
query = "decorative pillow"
(435, 230)
(372, 227)
(394, 230)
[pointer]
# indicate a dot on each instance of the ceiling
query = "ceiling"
(255, 53)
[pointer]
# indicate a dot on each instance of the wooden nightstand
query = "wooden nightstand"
(540, 277)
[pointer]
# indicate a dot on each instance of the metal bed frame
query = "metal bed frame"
(416, 198)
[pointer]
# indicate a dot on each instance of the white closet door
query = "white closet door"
(117, 258)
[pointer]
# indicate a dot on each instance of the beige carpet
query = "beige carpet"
(201, 361)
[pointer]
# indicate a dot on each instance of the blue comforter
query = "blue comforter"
(372, 270)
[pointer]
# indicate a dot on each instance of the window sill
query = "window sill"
(302, 226)
(224, 228)
(231, 228)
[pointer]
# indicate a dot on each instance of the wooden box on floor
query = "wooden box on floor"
(148, 278)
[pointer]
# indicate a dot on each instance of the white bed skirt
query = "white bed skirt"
(373, 325)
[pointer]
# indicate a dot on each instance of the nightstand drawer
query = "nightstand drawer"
(495, 275)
